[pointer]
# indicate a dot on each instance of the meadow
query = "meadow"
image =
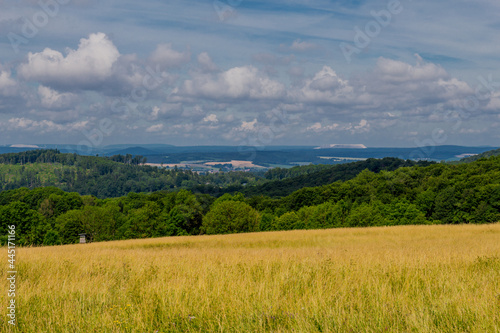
(440, 278)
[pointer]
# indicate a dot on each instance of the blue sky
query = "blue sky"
(379, 73)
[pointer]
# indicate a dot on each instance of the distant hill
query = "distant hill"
(103, 177)
(331, 174)
(135, 151)
(486, 154)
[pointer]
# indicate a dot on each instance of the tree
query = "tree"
(230, 217)
(286, 221)
(365, 215)
(69, 225)
(31, 226)
(51, 238)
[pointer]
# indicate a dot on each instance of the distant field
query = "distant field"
(392, 279)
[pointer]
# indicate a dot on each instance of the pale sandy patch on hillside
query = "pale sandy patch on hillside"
(237, 164)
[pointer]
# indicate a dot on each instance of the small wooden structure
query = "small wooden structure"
(83, 238)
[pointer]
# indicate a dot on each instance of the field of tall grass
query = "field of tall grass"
(388, 279)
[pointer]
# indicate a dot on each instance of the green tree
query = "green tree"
(365, 215)
(31, 226)
(51, 238)
(230, 217)
(287, 221)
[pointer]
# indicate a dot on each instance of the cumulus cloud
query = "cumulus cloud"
(362, 127)
(318, 127)
(43, 126)
(155, 128)
(92, 62)
(494, 102)
(211, 118)
(236, 83)
(7, 84)
(325, 87)
(243, 131)
(166, 56)
(248, 126)
(396, 71)
(206, 64)
(52, 99)
(396, 84)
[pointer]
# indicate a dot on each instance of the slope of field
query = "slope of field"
(386, 279)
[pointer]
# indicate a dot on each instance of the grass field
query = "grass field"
(392, 279)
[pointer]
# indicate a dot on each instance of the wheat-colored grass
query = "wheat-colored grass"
(392, 279)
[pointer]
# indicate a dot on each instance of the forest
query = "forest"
(118, 175)
(394, 192)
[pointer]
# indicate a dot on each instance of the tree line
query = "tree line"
(431, 194)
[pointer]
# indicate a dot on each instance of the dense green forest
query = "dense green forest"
(287, 181)
(106, 177)
(431, 194)
(116, 176)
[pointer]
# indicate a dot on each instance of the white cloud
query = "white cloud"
(212, 118)
(396, 84)
(248, 126)
(52, 99)
(155, 128)
(390, 70)
(235, 83)
(494, 103)
(206, 63)
(166, 56)
(43, 126)
(92, 62)
(325, 87)
(7, 84)
(318, 127)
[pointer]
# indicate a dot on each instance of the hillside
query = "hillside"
(326, 175)
(489, 153)
(104, 177)
(433, 194)
(115, 176)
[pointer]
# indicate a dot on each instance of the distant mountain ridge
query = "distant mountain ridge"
(267, 156)
(136, 151)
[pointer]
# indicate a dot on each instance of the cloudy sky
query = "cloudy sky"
(204, 72)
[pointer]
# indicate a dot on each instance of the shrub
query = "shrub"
(230, 217)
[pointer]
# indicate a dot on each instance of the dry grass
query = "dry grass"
(397, 279)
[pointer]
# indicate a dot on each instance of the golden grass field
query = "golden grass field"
(388, 279)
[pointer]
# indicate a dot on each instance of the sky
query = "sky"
(239, 72)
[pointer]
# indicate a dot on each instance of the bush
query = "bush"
(287, 221)
(51, 238)
(230, 217)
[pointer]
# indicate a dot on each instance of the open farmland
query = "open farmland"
(440, 278)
